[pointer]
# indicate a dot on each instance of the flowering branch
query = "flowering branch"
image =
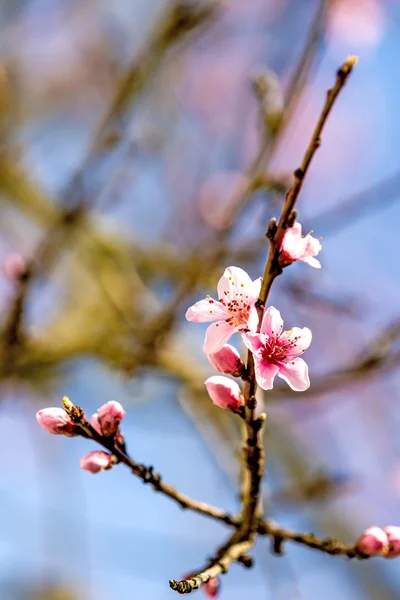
(240, 307)
(253, 451)
(269, 352)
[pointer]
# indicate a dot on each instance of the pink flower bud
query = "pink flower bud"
(373, 541)
(393, 535)
(224, 392)
(96, 461)
(227, 360)
(110, 416)
(14, 266)
(212, 588)
(55, 420)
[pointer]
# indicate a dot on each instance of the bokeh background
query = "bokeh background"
(144, 146)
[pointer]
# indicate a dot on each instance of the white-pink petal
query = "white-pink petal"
(255, 289)
(234, 280)
(313, 262)
(217, 335)
(303, 341)
(252, 319)
(206, 310)
(295, 373)
(272, 323)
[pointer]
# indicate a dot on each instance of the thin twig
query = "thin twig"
(276, 232)
(327, 545)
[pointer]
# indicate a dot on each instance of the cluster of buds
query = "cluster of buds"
(380, 542)
(71, 421)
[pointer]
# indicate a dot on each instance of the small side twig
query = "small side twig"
(219, 566)
(272, 269)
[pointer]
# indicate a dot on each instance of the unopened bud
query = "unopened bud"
(212, 587)
(227, 360)
(393, 535)
(96, 461)
(110, 416)
(224, 392)
(14, 266)
(55, 420)
(372, 542)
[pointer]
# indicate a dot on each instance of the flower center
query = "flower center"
(238, 308)
(276, 348)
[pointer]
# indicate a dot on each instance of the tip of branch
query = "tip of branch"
(352, 60)
(347, 67)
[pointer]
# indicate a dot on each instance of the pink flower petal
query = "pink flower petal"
(292, 240)
(252, 320)
(206, 310)
(295, 373)
(253, 341)
(217, 335)
(265, 373)
(255, 289)
(234, 280)
(272, 323)
(304, 336)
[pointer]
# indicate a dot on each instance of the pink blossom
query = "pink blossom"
(55, 420)
(14, 266)
(227, 360)
(298, 247)
(393, 535)
(212, 587)
(277, 353)
(373, 541)
(234, 311)
(96, 461)
(224, 392)
(110, 416)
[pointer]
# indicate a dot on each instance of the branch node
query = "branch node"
(272, 227)
(246, 560)
(277, 544)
